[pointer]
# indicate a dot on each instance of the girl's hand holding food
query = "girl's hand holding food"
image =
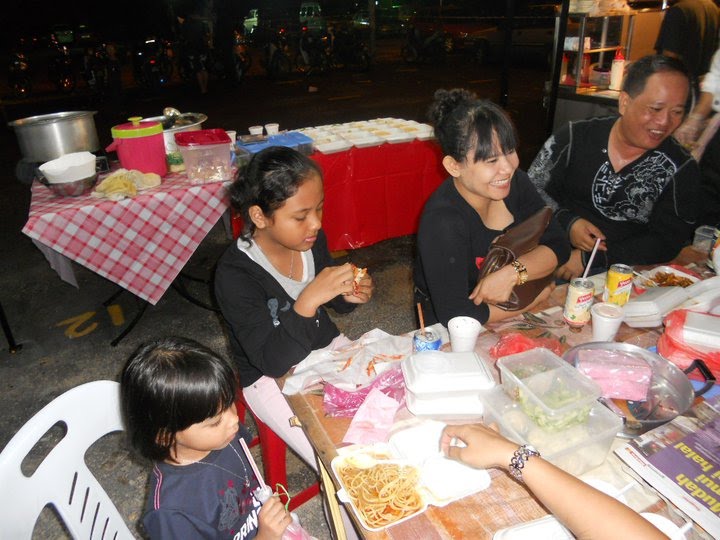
(329, 283)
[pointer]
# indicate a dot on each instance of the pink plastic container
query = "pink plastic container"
(140, 145)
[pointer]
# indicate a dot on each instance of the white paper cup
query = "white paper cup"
(255, 130)
(606, 320)
(233, 135)
(272, 129)
(463, 333)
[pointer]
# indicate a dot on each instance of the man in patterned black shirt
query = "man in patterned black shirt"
(624, 179)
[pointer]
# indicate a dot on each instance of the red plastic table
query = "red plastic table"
(378, 192)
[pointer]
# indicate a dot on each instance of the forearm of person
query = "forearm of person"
(539, 262)
(587, 512)
(704, 106)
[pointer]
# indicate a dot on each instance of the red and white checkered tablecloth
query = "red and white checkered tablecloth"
(140, 243)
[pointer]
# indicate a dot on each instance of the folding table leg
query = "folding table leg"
(12, 346)
(131, 324)
(336, 522)
(181, 289)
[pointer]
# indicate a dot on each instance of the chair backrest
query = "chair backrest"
(63, 479)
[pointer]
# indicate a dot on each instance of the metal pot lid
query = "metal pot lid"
(135, 128)
(49, 118)
(182, 122)
(669, 395)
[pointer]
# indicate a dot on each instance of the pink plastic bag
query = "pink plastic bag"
(515, 342)
(672, 346)
(337, 402)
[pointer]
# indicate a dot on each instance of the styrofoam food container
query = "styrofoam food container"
(446, 383)
(576, 449)
(548, 389)
(641, 286)
(702, 329)
(656, 301)
(69, 168)
(545, 527)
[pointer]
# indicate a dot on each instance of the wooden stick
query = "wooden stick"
(422, 319)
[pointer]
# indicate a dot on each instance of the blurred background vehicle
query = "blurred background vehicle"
(250, 22)
(310, 16)
(63, 34)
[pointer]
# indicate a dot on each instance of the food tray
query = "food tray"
(641, 284)
(430, 374)
(553, 393)
(655, 302)
(442, 480)
(576, 449)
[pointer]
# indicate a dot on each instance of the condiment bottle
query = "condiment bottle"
(564, 69)
(585, 71)
(617, 71)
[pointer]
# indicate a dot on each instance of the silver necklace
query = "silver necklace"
(245, 478)
(292, 263)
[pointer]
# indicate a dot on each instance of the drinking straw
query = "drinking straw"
(592, 256)
(422, 319)
(248, 455)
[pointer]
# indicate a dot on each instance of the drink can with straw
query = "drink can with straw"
(578, 302)
(426, 341)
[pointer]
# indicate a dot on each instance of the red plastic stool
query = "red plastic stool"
(274, 451)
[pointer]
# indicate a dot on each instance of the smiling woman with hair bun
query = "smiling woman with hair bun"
(485, 195)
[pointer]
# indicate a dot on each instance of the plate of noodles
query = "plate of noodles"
(382, 492)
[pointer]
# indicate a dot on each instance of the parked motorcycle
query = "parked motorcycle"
(152, 64)
(276, 59)
(62, 70)
(419, 48)
(314, 52)
(19, 74)
(349, 50)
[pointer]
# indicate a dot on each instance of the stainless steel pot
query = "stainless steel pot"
(670, 393)
(175, 124)
(49, 136)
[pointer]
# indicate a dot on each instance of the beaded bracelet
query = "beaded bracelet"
(520, 457)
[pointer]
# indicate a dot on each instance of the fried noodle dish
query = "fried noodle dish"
(667, 279)
(384, 493)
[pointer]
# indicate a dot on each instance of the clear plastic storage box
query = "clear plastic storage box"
(550, 391)
(576, 449)
(206, 153)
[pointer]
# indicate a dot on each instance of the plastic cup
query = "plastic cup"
(606, 320)
(256, 130)
(233, 135)
(272, 129)
(464, 332)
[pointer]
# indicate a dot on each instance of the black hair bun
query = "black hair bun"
(447, 101)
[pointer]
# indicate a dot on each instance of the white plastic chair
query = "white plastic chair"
(63, 479)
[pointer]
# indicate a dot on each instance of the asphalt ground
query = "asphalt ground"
(65, 332)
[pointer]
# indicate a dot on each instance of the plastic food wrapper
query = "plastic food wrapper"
(350, 366)
(339, 402)
(619, 374)
(515, 342)
(373, 420)
(673, 346)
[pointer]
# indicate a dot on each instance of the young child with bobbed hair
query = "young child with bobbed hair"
(178, 402)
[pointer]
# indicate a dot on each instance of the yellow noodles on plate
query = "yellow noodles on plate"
(384, 493)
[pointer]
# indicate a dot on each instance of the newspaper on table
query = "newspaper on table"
(681, 460)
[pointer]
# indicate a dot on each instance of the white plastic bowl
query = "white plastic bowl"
(69, 168)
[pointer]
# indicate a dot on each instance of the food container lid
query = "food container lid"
(549, 390)
(135, 128)
(202, 137)
(437, 373)
(656, 301)
(457, 405)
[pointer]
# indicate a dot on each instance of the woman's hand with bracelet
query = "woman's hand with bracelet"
(477, 445)
(689, 131)
(495, 287)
